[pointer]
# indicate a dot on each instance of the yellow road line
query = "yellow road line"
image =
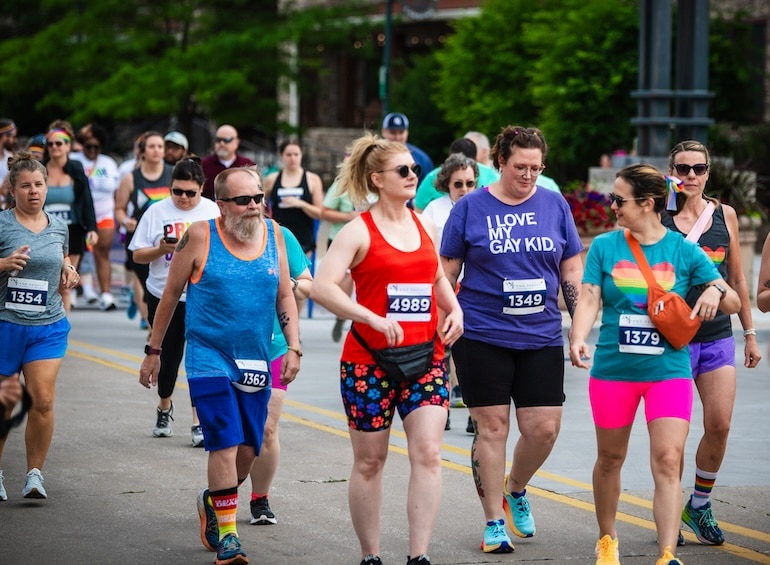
(732, 549)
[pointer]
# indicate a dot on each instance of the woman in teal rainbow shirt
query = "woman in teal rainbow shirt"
(633, 360)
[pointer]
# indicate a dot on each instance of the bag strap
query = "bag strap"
(360, 339)
(700, 223)
(641, 260)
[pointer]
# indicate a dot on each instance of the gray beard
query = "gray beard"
(243, 228)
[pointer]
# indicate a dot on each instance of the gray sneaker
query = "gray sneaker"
(3, 494)
(33, 486)
(162, 426)
(197, 435)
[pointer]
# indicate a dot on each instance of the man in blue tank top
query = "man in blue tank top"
(237, 279)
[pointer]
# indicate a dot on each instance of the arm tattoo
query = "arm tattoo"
(283, 320)
(182, 242)
(570, 292)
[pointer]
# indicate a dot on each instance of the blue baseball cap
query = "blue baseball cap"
(395, 120)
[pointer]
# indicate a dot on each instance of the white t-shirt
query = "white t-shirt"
(126, 167)
(103, 179)
(164, 219)
(438, 210)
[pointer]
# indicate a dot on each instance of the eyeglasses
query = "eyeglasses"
(620, 201)
(223, 139)
(468, 183)
(244, 200)
(187, 193)
(684, 170)
(403, 170)
(92, 146)
(57, 143)
(522, 170)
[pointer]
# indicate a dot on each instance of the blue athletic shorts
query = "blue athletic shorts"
(229, 416)
(22, 344)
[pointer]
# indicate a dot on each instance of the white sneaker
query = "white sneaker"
(197, 435)
(3, 494)
(162, 426)
(33, 487)
(107, 302)
(90, 296)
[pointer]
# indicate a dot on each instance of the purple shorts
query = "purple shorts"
(711, 355)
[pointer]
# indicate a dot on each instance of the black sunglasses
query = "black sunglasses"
(620, 201)
(223, 139)
(403, 170)
(684, 170)
(468, 183)
(57, 143)
(187, 193)
(244, 200)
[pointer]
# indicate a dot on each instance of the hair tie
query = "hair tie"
(675, 186)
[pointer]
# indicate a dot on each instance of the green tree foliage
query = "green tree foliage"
(130, 59)
(565, 66)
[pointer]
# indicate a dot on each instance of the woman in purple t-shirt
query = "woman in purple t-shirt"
(518, 244)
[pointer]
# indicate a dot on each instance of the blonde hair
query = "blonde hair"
(368, 154)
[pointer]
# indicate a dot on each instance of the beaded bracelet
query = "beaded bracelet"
(750, 331)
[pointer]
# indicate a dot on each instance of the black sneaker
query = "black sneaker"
(261, 513)
(469, 428)
(421, 560)
(371, 560)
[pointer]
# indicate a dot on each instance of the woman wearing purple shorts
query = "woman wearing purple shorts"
(633, 361)
(712, 350)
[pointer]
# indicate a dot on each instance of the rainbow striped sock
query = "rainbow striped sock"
(704, 483)
(225, 503)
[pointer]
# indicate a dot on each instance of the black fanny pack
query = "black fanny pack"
(407, 363)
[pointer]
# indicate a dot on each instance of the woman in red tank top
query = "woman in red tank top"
(400, 285)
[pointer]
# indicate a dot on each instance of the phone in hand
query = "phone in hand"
(171, 240)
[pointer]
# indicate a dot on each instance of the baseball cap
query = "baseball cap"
(395, 120)
(178, 138)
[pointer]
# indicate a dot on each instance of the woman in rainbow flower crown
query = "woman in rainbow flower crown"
(633, 360)
(714, 227)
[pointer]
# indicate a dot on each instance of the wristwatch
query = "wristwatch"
(721, 289)
(150, 351)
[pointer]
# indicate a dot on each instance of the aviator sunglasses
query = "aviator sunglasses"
(614, 199)
(244, 200)
(403, 170)
(684, 170)
(187, 193)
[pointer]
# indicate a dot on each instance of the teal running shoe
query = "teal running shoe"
(209, 525)
(517, 513)
(229, 551)
(496, 539)
(702, 522)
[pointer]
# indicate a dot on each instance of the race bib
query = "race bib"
(254, 375)
(409, 302)
(523, 297)
(61, 211)
(286, 191)
(637, 334)
(26, 295)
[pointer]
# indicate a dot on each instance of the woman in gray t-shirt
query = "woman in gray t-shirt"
(34, 266)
